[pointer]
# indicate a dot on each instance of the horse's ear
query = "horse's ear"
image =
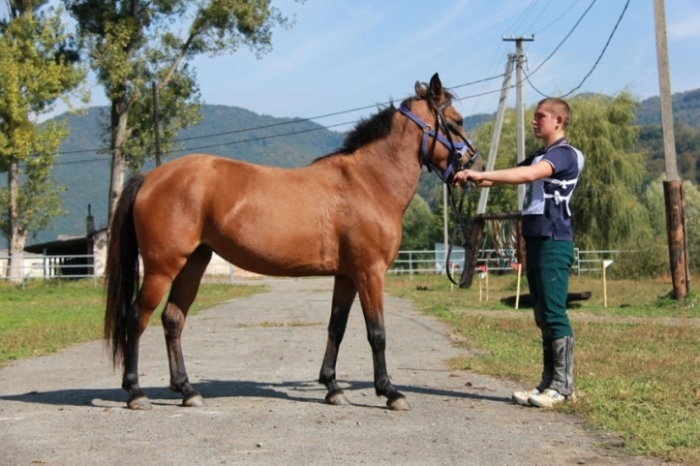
(420, 89)
(436, 87)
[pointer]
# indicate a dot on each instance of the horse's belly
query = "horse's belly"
(279, 256)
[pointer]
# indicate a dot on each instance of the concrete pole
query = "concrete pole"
(665, 91)
(673, 187)
(484, 193)
(520, 107)
(520, 117)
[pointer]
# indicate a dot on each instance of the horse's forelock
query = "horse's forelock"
(423, 93)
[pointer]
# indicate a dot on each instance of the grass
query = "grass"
(637, 360)
(48, 316)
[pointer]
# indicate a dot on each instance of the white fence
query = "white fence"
(495, 260)
(36, 266)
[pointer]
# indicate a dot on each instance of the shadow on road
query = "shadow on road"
(298, 391)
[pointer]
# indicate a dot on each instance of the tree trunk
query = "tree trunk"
(18, 236)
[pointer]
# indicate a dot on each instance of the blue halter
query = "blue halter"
(457, 149)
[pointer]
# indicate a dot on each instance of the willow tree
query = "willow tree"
(37, 66)
(606, 207)
(607, 211)
(133, 43)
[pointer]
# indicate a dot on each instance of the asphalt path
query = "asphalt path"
(256, 362)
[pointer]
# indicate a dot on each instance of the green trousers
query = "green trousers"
(548, 265)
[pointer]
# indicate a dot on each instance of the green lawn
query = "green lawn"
(637, 360)
(47, 316)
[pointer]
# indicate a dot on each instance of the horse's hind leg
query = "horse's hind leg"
(182, 295)
(344, 292)
(138, 315)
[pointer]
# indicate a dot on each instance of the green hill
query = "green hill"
(686, 109)
(239, 134)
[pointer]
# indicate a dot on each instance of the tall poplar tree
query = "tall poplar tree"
(37, 66)
(133, 43)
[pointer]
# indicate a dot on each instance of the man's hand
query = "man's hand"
(462, 177)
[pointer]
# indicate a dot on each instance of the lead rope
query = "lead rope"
(461, 229)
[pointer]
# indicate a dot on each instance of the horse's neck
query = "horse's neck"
(393, 163)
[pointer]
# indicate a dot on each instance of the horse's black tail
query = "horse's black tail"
(122, 271)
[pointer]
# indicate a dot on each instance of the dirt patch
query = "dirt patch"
(256, 361)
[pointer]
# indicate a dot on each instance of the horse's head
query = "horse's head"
(445, 146)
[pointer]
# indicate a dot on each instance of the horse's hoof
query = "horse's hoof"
(398, 404)
(337, 399)
(193, 402)
(141, 403)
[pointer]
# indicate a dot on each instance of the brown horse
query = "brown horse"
(341, 215)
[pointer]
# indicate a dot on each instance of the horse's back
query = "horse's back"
(272, 220)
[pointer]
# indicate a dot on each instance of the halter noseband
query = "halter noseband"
(457, 149)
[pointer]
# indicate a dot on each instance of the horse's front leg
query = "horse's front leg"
(173, 322)
(344, 292)
(371, 290)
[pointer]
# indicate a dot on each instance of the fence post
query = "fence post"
(410, 264)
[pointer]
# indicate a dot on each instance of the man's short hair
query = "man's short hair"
(557, 107)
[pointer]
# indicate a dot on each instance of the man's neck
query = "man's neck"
(552, 138)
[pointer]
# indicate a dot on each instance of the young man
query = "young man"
(551, 175)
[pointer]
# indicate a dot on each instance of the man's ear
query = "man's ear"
(560, 120)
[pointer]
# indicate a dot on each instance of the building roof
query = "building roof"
(65, 245)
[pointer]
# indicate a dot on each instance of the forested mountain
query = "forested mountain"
(686, 116)
(686, 109)
(241, 134)
(238, 133)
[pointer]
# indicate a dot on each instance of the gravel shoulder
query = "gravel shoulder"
(256, 360)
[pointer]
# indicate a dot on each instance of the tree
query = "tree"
(607, 212)
(656, 243)
(133, 43)
(503, 198)
(37, 66)
(419, 227)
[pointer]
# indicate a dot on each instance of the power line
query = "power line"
(557, 18)
(538, 16)
(565, 37)
(594, 65)
(208, 146)
(283, 123)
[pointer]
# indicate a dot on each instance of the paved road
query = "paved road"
(256, 361)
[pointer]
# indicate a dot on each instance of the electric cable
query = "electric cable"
(272, 125)
(527, 77)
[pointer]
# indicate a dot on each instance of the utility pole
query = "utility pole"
(496, 136)
(673, 186)
(519, 105)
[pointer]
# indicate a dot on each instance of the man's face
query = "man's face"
(544, 122)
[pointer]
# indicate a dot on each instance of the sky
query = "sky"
(342, 55)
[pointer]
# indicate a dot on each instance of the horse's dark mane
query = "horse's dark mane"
(378, 125)
(365, 131)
